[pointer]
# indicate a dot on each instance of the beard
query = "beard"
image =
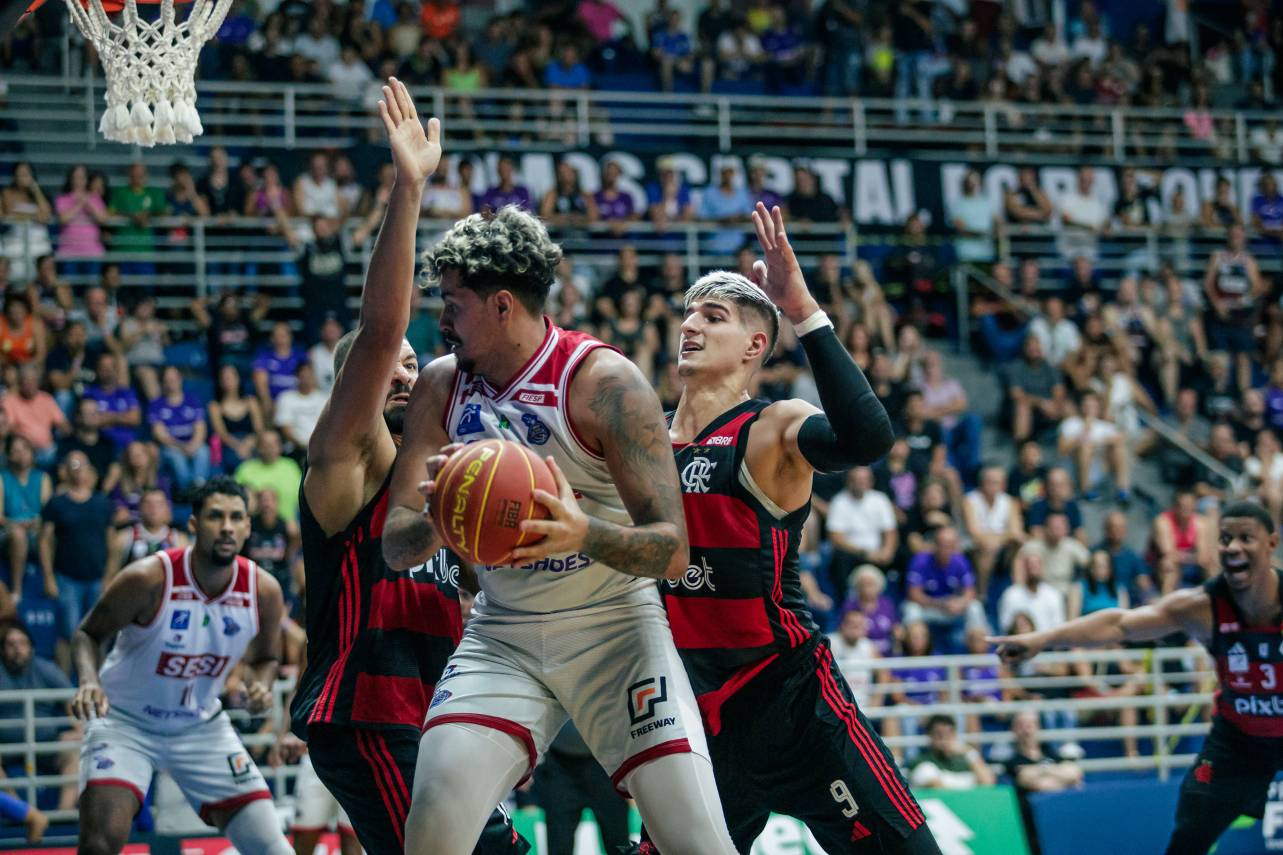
(221, 556)
(394, 418)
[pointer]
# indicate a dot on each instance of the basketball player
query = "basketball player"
(377, 639)
(783, 726)
(182, 619)
(571, 627)
(1238, 616)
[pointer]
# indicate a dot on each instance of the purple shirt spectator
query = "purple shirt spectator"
(980, 682)
(767, 197)
(280, 369)
(883, 618)
(920, 675)
(496, 197)
(1269, 209)
(118, 400)
(673, 45)
(620, 207)
(1274, 407)
(180, 420)
(935, 581)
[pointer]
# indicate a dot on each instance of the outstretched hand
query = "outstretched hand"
(780, 276)
(1014, 649)
(414, 152)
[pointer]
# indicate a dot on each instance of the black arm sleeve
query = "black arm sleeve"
(855, 429)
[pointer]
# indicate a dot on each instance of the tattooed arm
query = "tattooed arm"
(615, 410)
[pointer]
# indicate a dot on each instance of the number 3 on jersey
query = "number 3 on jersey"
(842, 795)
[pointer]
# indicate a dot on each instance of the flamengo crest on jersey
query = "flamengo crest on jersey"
(168, 674)
(531, 410)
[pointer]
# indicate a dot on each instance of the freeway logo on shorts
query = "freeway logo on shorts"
(644, 696)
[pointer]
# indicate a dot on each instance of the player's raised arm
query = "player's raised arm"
(409, 537)
(133, 596)
(614, 406)
(1187, 611)
(853, 429)
(354, 412)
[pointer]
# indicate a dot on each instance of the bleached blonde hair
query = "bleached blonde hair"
(734, 288)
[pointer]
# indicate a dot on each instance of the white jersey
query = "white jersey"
(166, 676)
(531, 410)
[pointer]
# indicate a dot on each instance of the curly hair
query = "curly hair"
(507, 250)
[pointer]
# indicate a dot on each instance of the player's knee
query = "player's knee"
(99, 841)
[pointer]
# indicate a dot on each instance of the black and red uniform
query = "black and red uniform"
(377, 641)
(783, 728)
(1244, 749)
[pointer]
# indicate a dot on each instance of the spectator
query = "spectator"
(569, 71)
(1130, 569)
(1086, 436)
(316, 44)
(24, 490)
(179, 428)
(728, 203)
(27, 212)
(1234, 289)
(87, 437)
(81, 216)
(322, 263)
(75, 539)
(321, 354)
(139, 203)
(931, 512)
(1267, 209)
(1027, 479)
(948, 763)
(276, 365)
(119, 411)
(739, 52)
(231, 334)
(298, 410)
(1035, 393)
(273, 543)
(928, 454)
(1267, 141)
(1215, 484)
(1026, 203)
(669, 199)
(614, 204)
(1099, 589)
(1059, 499)
(1029, 594)
(1221, 211)
(269, 470)
(350, 76)
(1057, 334)
(22, 671)
(183, 202)
(33, 414)
(1063, 557)
(152, 533)
(598, 18)
(855, 653)
(942, 587)
(1182, 543)
(99, 314)
(1049, 49)
(143, 339)
(786, 55)
(861, 525)
(917, 643)
(222, 194)
(1037, 768)
(809, 204)
(993, 525)
(1083, 217)
(316, 193)
(974, 220)
(566, 203)
(507, 191)
(139, 472)
(868, 597)
(237, 419)
(1136, 207)
(672, 51)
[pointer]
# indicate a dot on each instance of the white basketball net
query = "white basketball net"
(150, 68)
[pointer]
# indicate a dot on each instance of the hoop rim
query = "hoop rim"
(111, 7)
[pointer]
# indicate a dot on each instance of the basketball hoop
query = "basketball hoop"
(150, 66)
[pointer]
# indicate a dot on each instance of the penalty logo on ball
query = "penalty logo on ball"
(644, 696)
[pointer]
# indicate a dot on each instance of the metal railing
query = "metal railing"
(1168, 689)
(66, 109)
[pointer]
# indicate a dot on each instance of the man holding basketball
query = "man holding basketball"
(1238, 616)
(783, 727)
(377, 639)
(570, 627)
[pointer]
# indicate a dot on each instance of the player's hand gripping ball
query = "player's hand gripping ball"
(483, 493)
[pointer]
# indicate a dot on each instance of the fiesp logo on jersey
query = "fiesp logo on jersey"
(183, 666)
(462, 492)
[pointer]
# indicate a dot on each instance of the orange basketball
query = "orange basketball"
(484, 491)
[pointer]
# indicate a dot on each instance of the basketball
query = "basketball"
(484, 491)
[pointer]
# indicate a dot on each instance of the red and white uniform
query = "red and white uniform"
(163, 680)
(565, 637)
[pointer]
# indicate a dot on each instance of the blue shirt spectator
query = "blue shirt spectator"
(276, 366)
(119, 412)
(21, 669)
(567, 72)
(937, 580)
(507, 191)
(180, 418)
(728, 202)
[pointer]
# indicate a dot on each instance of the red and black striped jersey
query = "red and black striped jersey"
(1249, 665)
(739, 608)
(377, 639)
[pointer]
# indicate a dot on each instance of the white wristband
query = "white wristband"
(813, 323)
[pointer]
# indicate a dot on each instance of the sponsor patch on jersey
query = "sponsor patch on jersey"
(181, 619)
(176, 641)
(537, 433)
(470, 420)
(439, 697)
(720, 440)
(450, 671)
(184, 667)
(230, 627)
(240, 764)
(546, 399)
(104, 763)
(644, 696)
(1237, 657)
